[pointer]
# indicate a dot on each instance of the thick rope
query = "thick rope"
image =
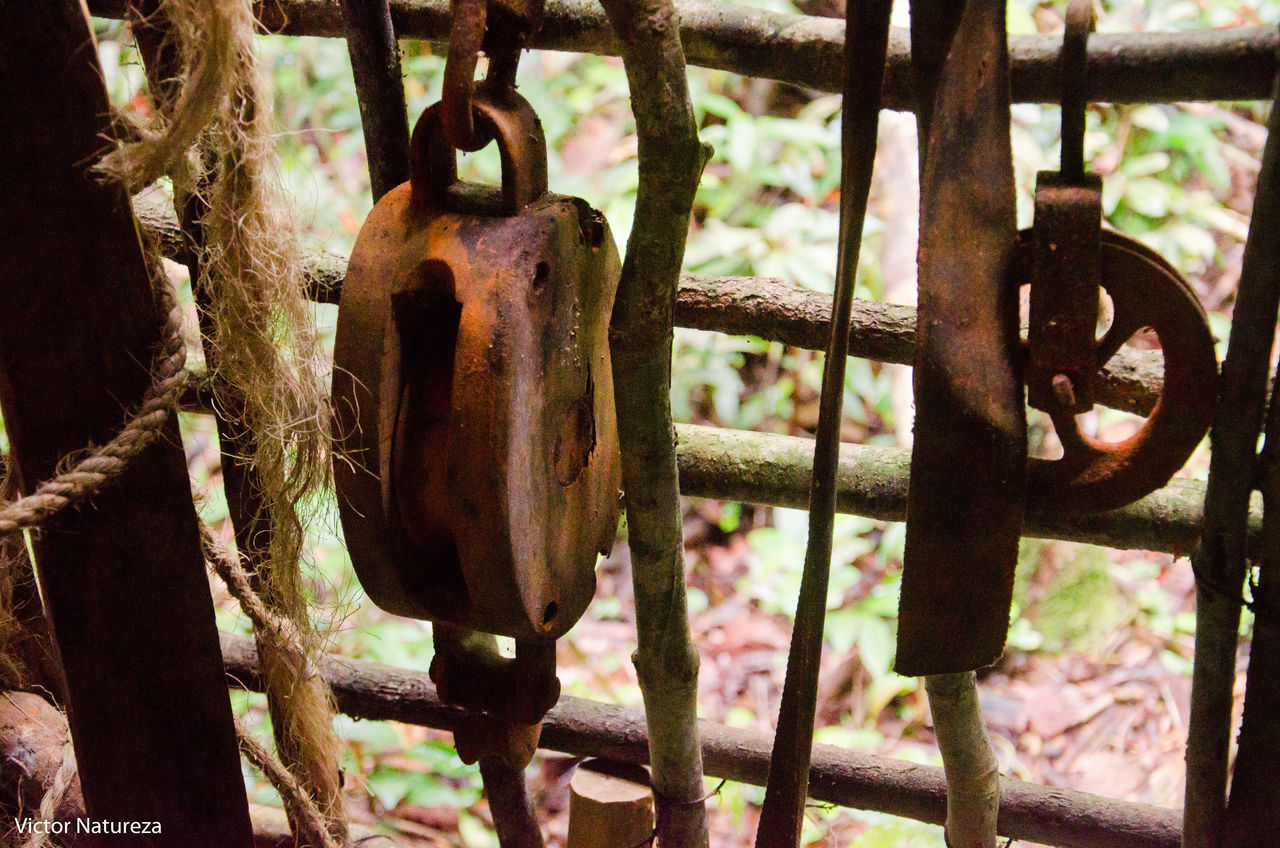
(228, 565)
(169, 378)
(55, 794)
(107, 462)
(86, 478)
(214, 140)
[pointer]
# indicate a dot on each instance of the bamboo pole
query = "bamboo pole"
(670, 164)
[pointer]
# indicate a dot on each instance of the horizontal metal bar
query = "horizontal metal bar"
(772, 309)
(762, 468)
(581, 727)
(1228, 64)
(771, 469)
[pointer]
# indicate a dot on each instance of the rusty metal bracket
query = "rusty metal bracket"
(501, 28)
(1068, 220)
(1146, 293)
(1070, 259)
(970, 479)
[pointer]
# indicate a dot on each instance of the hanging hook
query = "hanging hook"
(501, 28)
(466, 37)
(1075, 81)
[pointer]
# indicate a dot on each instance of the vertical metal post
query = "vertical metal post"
(866, 48)
(375, 64)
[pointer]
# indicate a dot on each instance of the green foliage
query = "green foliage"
(891, 832)
(1082, 604)
(867, 624)
(440, 781)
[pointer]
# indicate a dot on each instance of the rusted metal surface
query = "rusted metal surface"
(967, 500)
(479, 470)
(122, 579)
(1061, 368)
(502, 28)
(1146, 292)
(1070, 258)
(479, 473)
(1068, 224)
(968, 464)
(505, 697)
(466, 35)
(1074, 71)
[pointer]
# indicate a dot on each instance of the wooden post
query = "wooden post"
(122, 577)
(607, 811)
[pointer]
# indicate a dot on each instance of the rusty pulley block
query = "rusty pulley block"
(970, 478)
(1067, 258)
(478, 472)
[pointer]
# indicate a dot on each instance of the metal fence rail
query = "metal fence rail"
(774, 470)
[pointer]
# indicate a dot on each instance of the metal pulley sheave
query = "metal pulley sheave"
(478, 469)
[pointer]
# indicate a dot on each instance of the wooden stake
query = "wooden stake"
(607, 811)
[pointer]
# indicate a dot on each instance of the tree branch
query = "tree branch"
(1220, 562)
(1226, 64)
(670, 163)
(580, 727)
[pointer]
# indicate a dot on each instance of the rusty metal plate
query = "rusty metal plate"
(1061, 369)
(477, 469)
(968, 464)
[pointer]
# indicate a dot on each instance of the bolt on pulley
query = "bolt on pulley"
(478, 469)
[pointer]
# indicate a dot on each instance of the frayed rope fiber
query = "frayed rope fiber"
(212, 137)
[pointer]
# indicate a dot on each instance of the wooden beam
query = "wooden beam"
(580, 727)
(122, 577)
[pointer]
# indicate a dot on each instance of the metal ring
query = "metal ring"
(504, 116)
